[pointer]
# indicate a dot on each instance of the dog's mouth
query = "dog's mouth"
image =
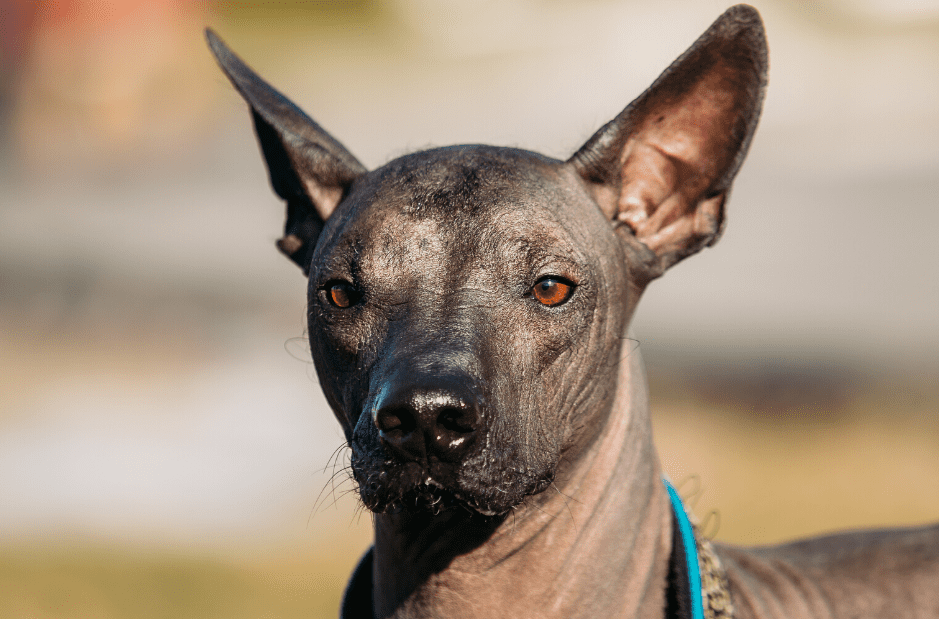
(431, 497)
(417, 488)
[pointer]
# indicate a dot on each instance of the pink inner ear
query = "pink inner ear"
(684, 143)
(699, 128)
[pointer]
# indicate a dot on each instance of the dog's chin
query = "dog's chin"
(412, 488)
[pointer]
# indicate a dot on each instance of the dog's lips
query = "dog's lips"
(408, 486)
(434, 497)
(416, 487)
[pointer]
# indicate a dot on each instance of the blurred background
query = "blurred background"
(164, 447)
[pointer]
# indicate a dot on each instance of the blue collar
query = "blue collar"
(684, 600)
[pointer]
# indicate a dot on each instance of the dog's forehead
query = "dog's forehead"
(467, 191)
(462, 181)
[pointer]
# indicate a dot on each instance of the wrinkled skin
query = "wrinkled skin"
(445, 258)
(468, 311)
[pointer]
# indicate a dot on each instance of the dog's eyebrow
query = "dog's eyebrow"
(528, 251)
(338, 264)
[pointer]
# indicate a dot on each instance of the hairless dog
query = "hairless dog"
(467, 316)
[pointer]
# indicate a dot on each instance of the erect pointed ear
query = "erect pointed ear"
(664, 166)
(308, 168)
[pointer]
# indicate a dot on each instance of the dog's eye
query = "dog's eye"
(552, 290)
(341, 294)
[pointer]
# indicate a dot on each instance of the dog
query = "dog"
(467, 312)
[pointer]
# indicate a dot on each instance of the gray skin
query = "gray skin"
(501, 437)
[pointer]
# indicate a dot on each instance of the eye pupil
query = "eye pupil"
(551, 291)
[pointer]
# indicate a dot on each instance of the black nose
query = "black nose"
(437, 418)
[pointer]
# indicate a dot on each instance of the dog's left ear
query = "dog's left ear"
(308, 168)
(664, 166)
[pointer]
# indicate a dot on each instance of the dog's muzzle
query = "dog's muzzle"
(417, 445)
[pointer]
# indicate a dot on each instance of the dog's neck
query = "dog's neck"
(596, 544)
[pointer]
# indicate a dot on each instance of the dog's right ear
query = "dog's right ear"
(308, 168)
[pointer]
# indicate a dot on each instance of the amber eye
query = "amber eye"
(341, 294)
(552, 291)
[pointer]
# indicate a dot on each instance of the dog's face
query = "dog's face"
(465, 310)
(467, 305)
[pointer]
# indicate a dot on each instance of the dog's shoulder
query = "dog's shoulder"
(878, 573)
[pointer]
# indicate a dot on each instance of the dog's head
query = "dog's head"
(467, 305)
